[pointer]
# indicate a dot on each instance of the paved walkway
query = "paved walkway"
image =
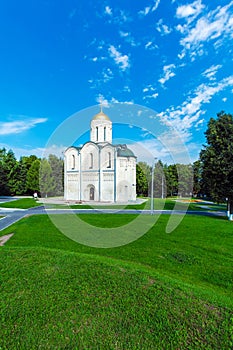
(61, 200)
(14, 215)
(10, 216)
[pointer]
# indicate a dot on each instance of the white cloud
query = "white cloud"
(224, 99)
(211, 72)
(162, 28)
(168, 72)
(148, 44)
(156, 4)
(19, 126)
(153, 96)
(119, 16)
(186, 116)
(149, 9)
(213, 26)
(129, 38)
(102, 101)
(190, 10)
(106, 103)
(127, 88)
(149, 149)
(123, 34)
(145, 11)
(181, 28)
(115, 100)
(199, 123)
(108, 10)
(150, 92)
(121, 60)
(151, 46)
(124, 17)
(181, 55)
(107, 75)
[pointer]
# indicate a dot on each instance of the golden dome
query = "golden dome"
(101, 116)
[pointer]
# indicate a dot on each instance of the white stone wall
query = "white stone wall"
(107, 186)
(72, 174)
(72, 186)
(90, 181)
(126, 179)
(90, 157)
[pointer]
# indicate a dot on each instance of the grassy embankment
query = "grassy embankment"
(161, 291)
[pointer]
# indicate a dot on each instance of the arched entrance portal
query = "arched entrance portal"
(92, 194)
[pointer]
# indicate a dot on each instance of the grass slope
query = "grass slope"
(161, 291)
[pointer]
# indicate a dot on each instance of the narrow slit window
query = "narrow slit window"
(97, 133)
(105, 133)
(73, 162)
(91, 161)
(109, 160)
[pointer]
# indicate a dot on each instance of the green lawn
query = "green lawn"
(163, 291)
(23, 203)
(159, 204)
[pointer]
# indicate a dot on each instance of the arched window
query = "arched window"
(91, 161)
(97, 133)
(109, 160)
(73, 161)
(105, 133)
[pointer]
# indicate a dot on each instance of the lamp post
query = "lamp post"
(152, 187)
(162, 193)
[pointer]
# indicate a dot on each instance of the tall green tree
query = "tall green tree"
(197, 177)
(217, 159)
(46, 180)
(171, 179)
(57, 167)
(4, 190)
(185, 179)
(141, 180)
(28, 160)
(32, 181)
(21, 171)
(159, 180)
(10, 166)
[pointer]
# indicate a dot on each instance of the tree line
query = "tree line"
(211, 176)
(168, 180)
(30, 174)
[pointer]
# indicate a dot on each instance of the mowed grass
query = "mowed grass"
(23, 203)
(163, 291)
(158, 204)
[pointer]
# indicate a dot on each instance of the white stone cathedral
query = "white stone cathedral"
(100, 171)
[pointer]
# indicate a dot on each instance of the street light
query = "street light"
(162, 193)
(152, 187)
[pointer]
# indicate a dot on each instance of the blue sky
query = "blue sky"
(60, 57)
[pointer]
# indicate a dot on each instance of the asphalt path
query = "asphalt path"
(13, 215)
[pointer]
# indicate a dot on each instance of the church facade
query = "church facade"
(100, 171)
